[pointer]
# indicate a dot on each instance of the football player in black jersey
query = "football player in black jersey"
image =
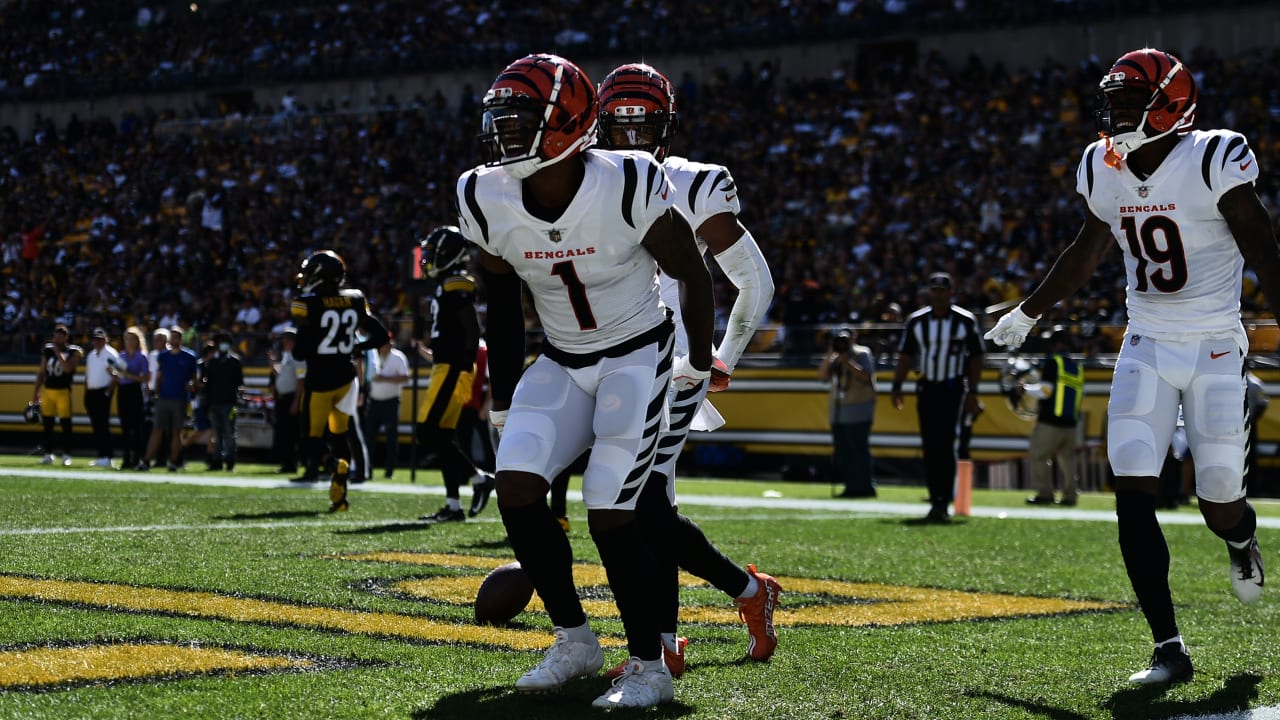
(328, 318)
(58, 363)
(455, 337)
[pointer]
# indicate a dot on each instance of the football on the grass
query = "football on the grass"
(504, 594)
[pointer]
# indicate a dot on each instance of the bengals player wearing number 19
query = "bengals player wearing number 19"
(638, 112)
(586, 230)
(1181, 205)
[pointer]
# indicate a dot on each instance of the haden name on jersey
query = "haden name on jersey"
(558, 254)
(1132, 209)
(339, 301)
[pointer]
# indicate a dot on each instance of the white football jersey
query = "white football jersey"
(593, 284)
(1182, 266)
(702, 191)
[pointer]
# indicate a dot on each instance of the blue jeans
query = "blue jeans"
(854, 466)
(224, 432)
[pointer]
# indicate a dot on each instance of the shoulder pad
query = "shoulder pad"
(459, 283)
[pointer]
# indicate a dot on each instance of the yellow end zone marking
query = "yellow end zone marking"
(854, 604)
(113, 596)
(59, 666)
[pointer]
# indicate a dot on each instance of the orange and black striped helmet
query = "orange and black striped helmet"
(540, 110)
(637, 110)
(1147, 94)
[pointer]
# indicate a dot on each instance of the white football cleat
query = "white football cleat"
(565, 661)
(1246, 572)
(638, 687)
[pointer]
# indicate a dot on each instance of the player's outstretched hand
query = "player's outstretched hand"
(1012, 329)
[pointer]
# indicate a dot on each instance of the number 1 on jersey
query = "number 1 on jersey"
(577, 294)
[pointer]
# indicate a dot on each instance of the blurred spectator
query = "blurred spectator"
(382, 410)
(133, 372)
(224, 384)
(175, 383)
(1055, 438)
(850, 370)
(99, 386)
(284, 387)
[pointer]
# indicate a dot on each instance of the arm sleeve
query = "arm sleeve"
(745, 266)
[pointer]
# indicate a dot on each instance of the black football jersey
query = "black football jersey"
(55, 375)
(454, 327)
(327, 335)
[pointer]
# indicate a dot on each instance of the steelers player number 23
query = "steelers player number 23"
(1170, 256)
(577, 294)
(340, 331)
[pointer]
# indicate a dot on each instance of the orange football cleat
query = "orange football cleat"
(757, 613)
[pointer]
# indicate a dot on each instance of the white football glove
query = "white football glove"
(1012, 329)
(498, 419)
(685, 376)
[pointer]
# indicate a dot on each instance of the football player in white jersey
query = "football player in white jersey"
(586, 230)
(1181, 205)
(638, 112)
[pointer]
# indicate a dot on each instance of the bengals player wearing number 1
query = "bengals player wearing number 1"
(586, 230)
(330, 320)
(1180, 202)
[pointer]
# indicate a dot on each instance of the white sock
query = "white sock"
(753, 587)
(1241, 545)
(1176, 639)
(582, 633)
(453, 503)
(670, 643)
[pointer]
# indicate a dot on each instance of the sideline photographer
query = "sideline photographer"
(850, 369)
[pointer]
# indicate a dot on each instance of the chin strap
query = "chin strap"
(1111, 158)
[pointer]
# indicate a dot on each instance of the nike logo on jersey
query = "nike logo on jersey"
(1245, 165)
(665, 190)
(1215, 356)
(729, 198)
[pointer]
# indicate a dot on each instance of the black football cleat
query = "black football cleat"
(444, 515)
(480, 492)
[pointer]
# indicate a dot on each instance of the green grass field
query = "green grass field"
(121, 598)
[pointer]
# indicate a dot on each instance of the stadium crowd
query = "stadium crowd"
(76, 48)
(857, 185)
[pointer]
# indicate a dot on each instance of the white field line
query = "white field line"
(838, 507)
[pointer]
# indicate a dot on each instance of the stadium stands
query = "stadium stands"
(856, 184)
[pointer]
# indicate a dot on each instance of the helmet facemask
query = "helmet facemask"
(637, 110)
(629, 129)
(1132, 112)
(524, 134)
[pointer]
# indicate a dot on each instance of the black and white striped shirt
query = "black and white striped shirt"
(941, 347)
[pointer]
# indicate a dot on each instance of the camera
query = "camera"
(841, 340)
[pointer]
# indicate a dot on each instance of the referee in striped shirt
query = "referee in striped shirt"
(943, 343)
